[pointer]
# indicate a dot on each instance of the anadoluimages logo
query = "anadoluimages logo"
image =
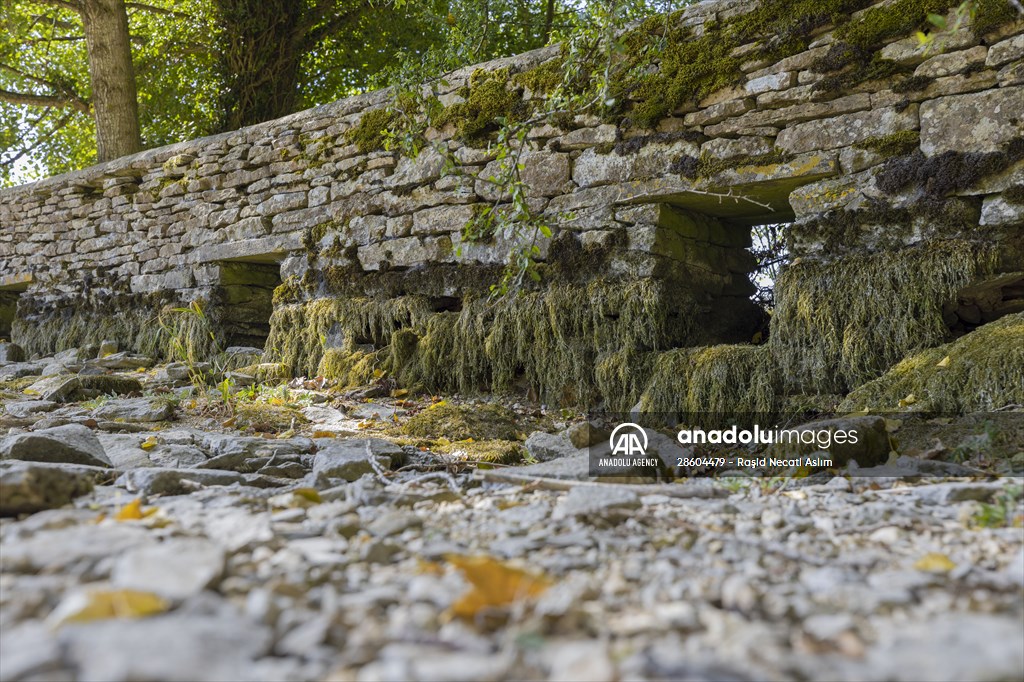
(630, 442)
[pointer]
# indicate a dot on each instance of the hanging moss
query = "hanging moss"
(300, 333)
(547, 341)
(978, 371)
(349, 368)
(145, 325)
(369, 134)
(841, 323)
(722, 380)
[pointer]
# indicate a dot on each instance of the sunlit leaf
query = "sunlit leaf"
(102, 604)
(494, 584)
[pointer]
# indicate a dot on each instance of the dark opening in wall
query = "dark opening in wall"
(8, 310)
(247, 301)
(984, 302)
(10, 289)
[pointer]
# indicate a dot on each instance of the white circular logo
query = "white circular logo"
(630, 442)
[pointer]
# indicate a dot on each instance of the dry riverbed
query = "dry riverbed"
(289, 531)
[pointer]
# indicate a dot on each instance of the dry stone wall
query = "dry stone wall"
(904, 192)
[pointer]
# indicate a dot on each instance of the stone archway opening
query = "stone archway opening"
(246, 294)
(984, 302)
(11, 288)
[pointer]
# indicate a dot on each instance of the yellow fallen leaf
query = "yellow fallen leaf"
(29, 391)
(494, 584)
(378, 373)
(149, 443)
(399, 392)
(944, 362)
(101, 604)
(133, 511)
(934, 562)
(909, 400)
(324, 434)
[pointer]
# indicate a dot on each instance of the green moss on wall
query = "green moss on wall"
(978, 371)
(839, 324)
(488, 98)
(897, 144)
(543, 78)
(721, 380)
(369, 134)
(547, 341)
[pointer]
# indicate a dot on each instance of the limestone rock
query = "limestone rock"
(176, 568)
(544, 447)
(161, 481)
(845, 130)
(173, 646)
(135, 410)
(25, 409)
(124, 360)
(26, 488)
(974, 122)
(350, 459)
(71, 444)
(54, 388)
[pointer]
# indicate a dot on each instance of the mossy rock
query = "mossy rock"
(489, 451)
(266, 417)
(267, 372)
(979, 371)
(457, 422)
(110, 384)
(369, 134)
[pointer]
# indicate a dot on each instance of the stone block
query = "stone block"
(976, 122)
(845, 130)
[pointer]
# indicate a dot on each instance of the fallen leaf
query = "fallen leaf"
(100, 604)
(934, 562)
(133, 511)
(228, 423)
(944, 362)
(149, 443)
(399, 392)
(494, 584)
(324, 434)
(909, 400)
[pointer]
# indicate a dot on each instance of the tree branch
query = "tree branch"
(155, 10)
(64, 4)
(33, 100)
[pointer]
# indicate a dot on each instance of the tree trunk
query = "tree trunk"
(114, 93)
(260, 57)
